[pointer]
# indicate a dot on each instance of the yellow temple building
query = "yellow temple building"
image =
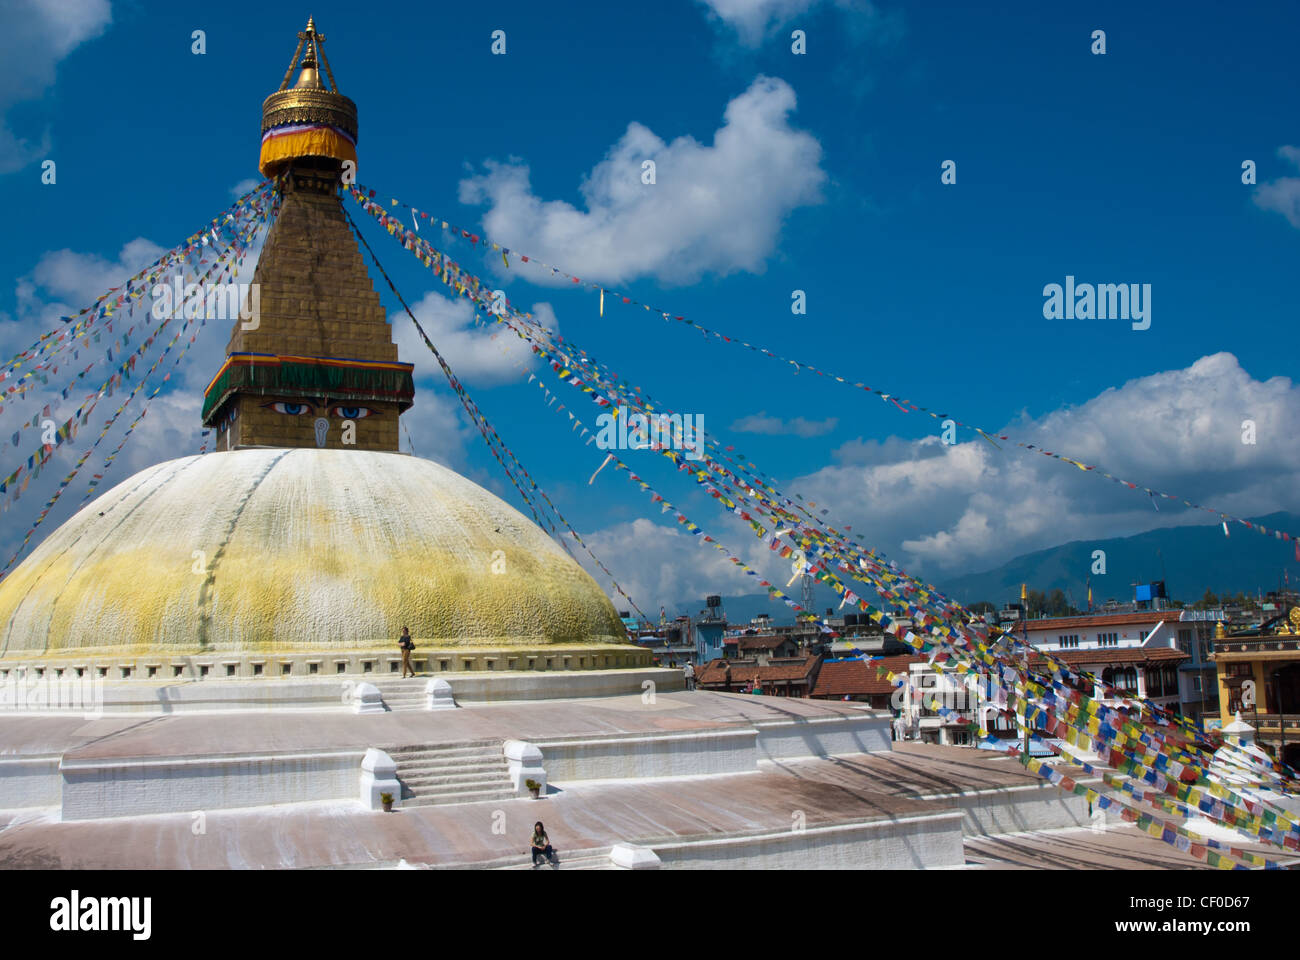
(1259, 682)
(307, 541)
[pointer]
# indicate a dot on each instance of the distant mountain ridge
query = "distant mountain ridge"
(1190, 559)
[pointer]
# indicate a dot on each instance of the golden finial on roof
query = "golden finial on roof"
(309, 119)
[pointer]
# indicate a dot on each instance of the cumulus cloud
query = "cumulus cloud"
(775, 426)
(661, 564)
(1283, 194)
(61, 284)
(481, 354)
(970, 506)
(36, 36)
(714, 208)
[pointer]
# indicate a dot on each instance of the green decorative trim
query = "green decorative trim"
(288, 378)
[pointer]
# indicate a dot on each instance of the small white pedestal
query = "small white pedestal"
(438, 694)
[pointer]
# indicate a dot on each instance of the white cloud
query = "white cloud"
(243, 186)
(487, 354)
(62, 283)
(969, 506)
(36, 35)
(755, 20)
(1283, 194)
(713, 208)
(437, 428)
(775, 426)
(661, 564)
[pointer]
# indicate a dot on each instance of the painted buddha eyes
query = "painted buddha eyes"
(292, 409)
(302, 409)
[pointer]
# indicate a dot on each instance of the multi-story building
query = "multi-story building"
(1198, 691)
(672, 643)
(1134, 652)
(1258, 676)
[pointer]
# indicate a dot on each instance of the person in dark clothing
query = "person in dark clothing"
(406, 644)
(541, 843)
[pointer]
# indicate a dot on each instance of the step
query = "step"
(458, 746)
(449, 764)
(469, 796)
(493, 777)
(447, 753)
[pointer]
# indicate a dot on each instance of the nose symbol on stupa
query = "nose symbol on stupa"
(322, 428)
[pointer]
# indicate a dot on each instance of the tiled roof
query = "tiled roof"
(716, 671)
(1102, 620)
(1109, 655)
(858, 677)
(762, 643)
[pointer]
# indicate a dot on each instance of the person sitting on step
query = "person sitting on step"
(542, 845)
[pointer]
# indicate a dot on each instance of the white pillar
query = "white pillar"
(366, 698)
(438, 695)
(629, 856)
(379, 775)
(524, 762)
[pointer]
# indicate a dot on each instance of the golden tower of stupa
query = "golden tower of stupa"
(307, 539)
(317, 365)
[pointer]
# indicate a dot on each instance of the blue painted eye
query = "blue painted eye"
(353, 413)
(292, 409)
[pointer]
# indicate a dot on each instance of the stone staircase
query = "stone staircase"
(401, 695)
(465, 772)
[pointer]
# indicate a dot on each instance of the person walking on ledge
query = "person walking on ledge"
(689, 672)
(542, 845)
(407, 645)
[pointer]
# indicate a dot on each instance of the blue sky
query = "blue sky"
(775, 172)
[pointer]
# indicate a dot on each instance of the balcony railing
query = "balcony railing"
(1262, 720)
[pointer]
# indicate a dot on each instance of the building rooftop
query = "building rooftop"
(1115, 655)
(839, 678)
(1104, 620)
(769, 642)
(720, 671)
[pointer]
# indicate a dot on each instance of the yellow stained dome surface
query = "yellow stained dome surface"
(282, 550)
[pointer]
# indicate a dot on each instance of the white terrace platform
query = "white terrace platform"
(681, 780)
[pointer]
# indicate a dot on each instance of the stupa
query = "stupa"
(307, 533)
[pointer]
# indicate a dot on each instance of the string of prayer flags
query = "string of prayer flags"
(903, 405)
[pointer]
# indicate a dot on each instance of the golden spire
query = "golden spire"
(309, 103)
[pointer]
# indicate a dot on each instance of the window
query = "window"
(1126, 680)
(1155, 683)
(1196, 683)
(1068, 642)
(1108, 639)
(1185, 641)
(1207, 648)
